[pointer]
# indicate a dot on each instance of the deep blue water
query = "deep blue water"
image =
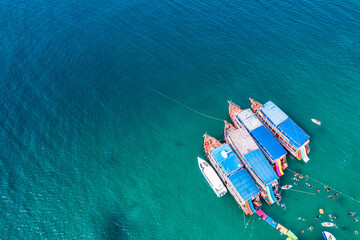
(89, 152)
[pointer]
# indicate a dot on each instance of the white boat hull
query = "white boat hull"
(212, 178)
(328, 224)
(328, 236)
(316, 121)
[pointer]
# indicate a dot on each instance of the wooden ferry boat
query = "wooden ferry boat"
(255, 162)
(271, 148)
(284, 129)
(233, 174)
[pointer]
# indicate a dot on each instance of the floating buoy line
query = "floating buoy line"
(354, 199)
(302, 191)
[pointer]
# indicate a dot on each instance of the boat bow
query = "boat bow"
(255, 106)
(233, 110)
(210, 143)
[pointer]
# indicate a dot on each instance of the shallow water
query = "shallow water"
(88, 152)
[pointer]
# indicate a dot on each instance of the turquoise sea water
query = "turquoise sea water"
(87, 152)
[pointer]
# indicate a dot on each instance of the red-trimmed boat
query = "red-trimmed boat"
(255, 162)
(233, 174)
(268, 145)
(283, 128)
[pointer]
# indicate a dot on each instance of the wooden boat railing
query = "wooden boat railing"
(226, 180)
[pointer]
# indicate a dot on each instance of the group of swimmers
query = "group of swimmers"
(300, 176)
(353, 214)
(311, 228)
(328, 189)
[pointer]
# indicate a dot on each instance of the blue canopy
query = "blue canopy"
(244, 184)
(261, 166)
(293, 132)
(231, 163)
(274, 113)
(268, 143)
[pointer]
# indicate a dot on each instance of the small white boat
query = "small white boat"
(328, 236)
(212, 178)
(286, 187)
(328, 224)
(316, 121)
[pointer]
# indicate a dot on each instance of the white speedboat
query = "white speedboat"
(328, 236)
(328, 224)
(212, 178)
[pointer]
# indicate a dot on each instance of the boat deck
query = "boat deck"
(227, 159)
(261, 166)
(285, 125)
(244, 184)
(242, 141)
(272, 148)
(269, 144)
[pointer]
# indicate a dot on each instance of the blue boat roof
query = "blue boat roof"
(274, 113)
(268, 143)
(244, 184)
(293, 132)
(227, 159)
(261, 166)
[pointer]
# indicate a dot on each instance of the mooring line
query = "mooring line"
(185, 106)
(252, 228)
(244, 219)
(354, 199)
(302, 191)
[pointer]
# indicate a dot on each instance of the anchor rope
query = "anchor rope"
(249, 221)
(302, 191)
(244, 219)
(185, 106)
(354, 199)
(252, 228)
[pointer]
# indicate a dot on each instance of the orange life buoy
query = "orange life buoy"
(356, 232)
